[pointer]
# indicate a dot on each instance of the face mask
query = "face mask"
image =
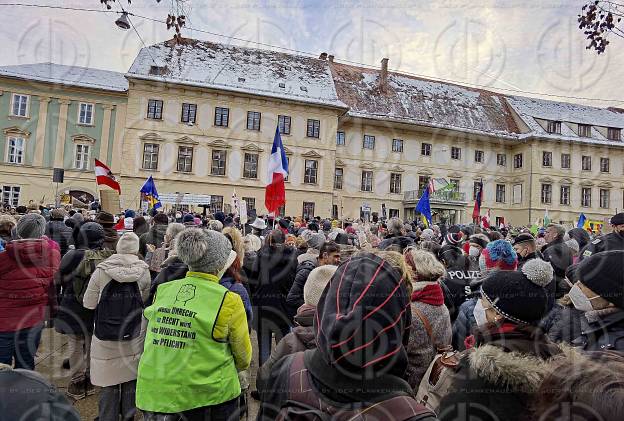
(479, 314)
(474, 251)
(580, 300)
(482, 263)
(229, 262)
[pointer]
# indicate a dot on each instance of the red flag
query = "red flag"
(275, 194)
(104, 176)
(485, 220)
(476, 212)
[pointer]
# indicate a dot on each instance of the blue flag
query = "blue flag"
(424, 206)
(150, 194)
(581, 221)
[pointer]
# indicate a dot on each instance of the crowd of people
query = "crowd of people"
(353, 320)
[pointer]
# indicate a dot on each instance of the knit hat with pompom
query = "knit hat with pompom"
(521, 296)
(500, 254)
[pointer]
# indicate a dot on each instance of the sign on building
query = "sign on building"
(184, 199)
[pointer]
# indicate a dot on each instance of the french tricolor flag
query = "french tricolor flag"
(275, 195)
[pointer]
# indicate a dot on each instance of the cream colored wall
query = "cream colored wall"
(235, 139)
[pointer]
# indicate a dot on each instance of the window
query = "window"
(518, 160)
(338, 174)
(565, 161)
(314, 128)
(516, 194)
(15, 150)
(564, 195)
(455, 152)
(393, 213)
(500, 193)
(250, 166)
(501, 159)
(150, 156)
(586, 163)
(604, 198)
(395, 183)
(189, 112)
(218, 162)
(222, 116)
(283, 122)
(584, 130)
(335, 211)
(546, 193)
(154, 109)
(85, 113)
(475, 189)
(479, 156)
(614, 133)
(185, 158)
(340, 138)
(367, 181)
(586, 197)
(20, 105)
(82, 157)
(251, 204)
(546, 159)
(281, 211)
(253, 120)
(425, 149)
(216, 203)
(423, 181)
(311, 170)
(604, 164)
(10, 195)
(554, 127)
(397, 145)
(308, 210)
(369, 142)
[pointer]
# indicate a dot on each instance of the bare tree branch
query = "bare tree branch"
(599, 19)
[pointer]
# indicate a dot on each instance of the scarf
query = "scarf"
(430, 294)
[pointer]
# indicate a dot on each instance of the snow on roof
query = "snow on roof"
(239, 69)
(530, 108)
(420, 101)
(68, 75)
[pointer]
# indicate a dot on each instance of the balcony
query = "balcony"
(438, 197)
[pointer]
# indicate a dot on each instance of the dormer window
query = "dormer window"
(584, 130)
(554, 127)
(241, 79)
(303, 88)
(614, 133)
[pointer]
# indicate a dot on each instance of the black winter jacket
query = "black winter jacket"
(604, 332)
(61, 233)
(560, 257)
(295, 295)
(175, 269)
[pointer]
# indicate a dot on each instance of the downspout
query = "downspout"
(531, 185)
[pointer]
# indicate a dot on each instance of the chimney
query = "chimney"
(383, 75)
(323, 56)
(330, 58)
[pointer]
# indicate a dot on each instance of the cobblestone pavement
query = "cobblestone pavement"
(53, 350)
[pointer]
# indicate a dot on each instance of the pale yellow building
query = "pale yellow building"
(201, 118)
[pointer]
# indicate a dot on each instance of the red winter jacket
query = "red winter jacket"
(27, 269)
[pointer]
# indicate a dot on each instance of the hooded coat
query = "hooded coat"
(111, 237)
(61, 233)
(155, 236)
(116, 362)
(560, 257)
(27, 269)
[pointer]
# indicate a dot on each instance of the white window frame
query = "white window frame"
(26, 109)
(10, 193)
(425, 149)
(79, 118)
(366, 184)
(397, 145)
(395, 183)
(368, 142)
(567, 160)
(8, 149)
(456, 153)
(606, 195)
(564, 195)
(500, 188)
(586, 203)
(152, 163)
(501, 159)
(84, 162)
(546, 194)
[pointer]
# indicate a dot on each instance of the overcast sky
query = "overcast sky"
(530, 45)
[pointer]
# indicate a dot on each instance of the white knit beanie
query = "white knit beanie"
(316, 283)
(128, 244)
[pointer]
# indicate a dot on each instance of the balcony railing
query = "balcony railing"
(438, 196)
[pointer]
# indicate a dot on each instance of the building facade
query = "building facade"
(55, 116)
(201, 117)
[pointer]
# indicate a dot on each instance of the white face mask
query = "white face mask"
(474, 251)
(580, 301)
(479, 314)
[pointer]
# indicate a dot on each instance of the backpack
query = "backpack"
(304, 404)
(438, 379)
(85, 269)
(119, 312)
(157, 257)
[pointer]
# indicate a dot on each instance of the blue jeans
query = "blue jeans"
(266, 329)
(20, 346)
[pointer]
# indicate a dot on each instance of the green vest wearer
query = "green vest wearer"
(183, 367)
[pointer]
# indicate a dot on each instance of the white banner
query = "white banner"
(184, 199)
(243, 212)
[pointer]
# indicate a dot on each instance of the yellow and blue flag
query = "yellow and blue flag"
(150, 195)
(424, 207)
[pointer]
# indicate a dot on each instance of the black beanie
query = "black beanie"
(91, 235)
(523, 238)
(603, 273)
(362, 317)
(520, 296)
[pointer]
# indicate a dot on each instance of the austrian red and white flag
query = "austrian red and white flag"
(104, 177)
(275, 194)
(485, 220)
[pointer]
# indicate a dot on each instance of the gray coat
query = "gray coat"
(116, 362)
(421, 350)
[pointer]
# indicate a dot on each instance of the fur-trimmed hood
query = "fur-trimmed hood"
(516, 371)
